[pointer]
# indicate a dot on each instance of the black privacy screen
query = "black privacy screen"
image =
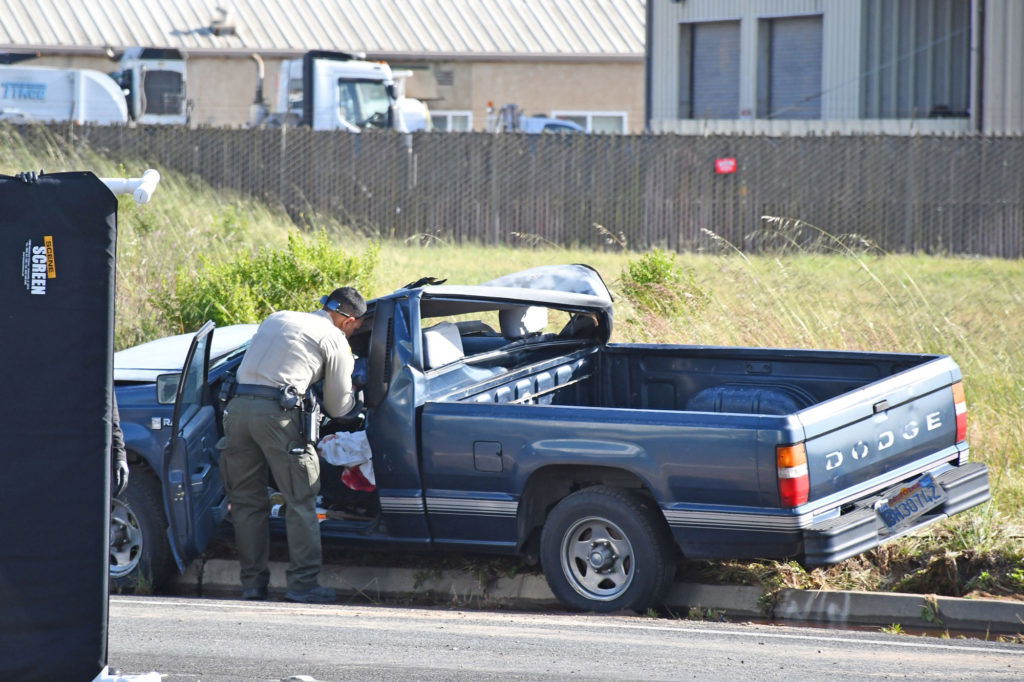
(57, 238)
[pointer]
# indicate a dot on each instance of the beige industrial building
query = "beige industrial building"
(789, 67)
(576, 59)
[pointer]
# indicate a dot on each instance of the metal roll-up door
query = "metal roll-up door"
(715, 60)
(794, 85)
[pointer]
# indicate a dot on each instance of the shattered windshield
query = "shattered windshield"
(363, 103)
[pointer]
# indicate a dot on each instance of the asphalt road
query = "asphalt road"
(204, 639)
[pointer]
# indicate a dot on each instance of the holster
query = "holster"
(227, 388)
(309, 413)
(311, 418)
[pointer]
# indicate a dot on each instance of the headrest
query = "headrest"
(522, 321)
(579, 326)
(441, 345)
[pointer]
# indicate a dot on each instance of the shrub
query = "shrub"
(246, 287)
(656, 284)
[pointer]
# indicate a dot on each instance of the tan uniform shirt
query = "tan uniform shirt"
(298, 349)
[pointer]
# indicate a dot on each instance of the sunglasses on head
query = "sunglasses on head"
(335, 306)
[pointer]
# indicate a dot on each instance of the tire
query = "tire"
(140, 558)
(606, 549)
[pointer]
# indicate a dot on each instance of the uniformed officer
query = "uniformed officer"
(290, 349)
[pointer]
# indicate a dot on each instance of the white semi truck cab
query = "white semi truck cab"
(153, 82)
(342, 91)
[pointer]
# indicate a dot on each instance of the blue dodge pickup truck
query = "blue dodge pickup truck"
(501, 419)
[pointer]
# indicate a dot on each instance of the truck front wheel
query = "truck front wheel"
(604, 549)
(140, 558)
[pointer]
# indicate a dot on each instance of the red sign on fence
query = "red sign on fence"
(726, 165)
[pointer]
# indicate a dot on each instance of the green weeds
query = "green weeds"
(247, 287)
(656, 284)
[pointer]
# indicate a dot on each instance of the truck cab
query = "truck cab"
(342, 91)
(153, 82)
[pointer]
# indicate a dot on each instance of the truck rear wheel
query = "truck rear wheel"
(140, 558)
(604, 549)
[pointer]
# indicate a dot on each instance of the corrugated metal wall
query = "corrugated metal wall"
(916, 58)
(1003, 95)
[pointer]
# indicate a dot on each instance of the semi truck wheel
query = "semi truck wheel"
(140, 558)
(604, 549)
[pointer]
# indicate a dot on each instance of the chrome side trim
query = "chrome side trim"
(736, 521)
(402, 505)
(450, 505)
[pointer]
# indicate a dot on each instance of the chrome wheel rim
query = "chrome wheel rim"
(597, 559)
(125, 539)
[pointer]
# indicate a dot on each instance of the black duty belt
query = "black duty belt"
(258, 391)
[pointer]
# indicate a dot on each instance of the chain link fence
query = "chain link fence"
(940, 195)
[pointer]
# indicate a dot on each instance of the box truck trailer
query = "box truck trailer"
(149, 88)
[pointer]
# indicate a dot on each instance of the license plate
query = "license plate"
(900, 510)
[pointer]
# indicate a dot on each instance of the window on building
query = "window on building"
(452, 121)
(596, 121)
(916, 58)
(789, 68)
(709, 68)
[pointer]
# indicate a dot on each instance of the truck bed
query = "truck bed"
(678, 378)
(699, 426)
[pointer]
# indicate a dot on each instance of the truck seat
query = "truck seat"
(442, 345)
(522, 321)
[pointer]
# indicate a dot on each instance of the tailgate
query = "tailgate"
(865, 434)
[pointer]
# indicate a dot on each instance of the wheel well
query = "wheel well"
(550, 485)
(137, 461)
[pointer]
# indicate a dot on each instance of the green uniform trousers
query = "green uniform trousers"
(258, 435)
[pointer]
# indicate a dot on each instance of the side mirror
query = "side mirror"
(167, 388)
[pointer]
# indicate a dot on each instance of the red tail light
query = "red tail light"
(960, 405)
(794, 485)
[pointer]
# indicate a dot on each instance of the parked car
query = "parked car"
(145, 382)
(544, 124)
(511, 119)
(502, 420)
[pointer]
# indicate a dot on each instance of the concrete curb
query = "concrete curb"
(459, 588)
(909, 610)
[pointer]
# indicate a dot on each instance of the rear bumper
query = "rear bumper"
(860, 529)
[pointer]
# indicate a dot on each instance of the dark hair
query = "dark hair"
(350, 300)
